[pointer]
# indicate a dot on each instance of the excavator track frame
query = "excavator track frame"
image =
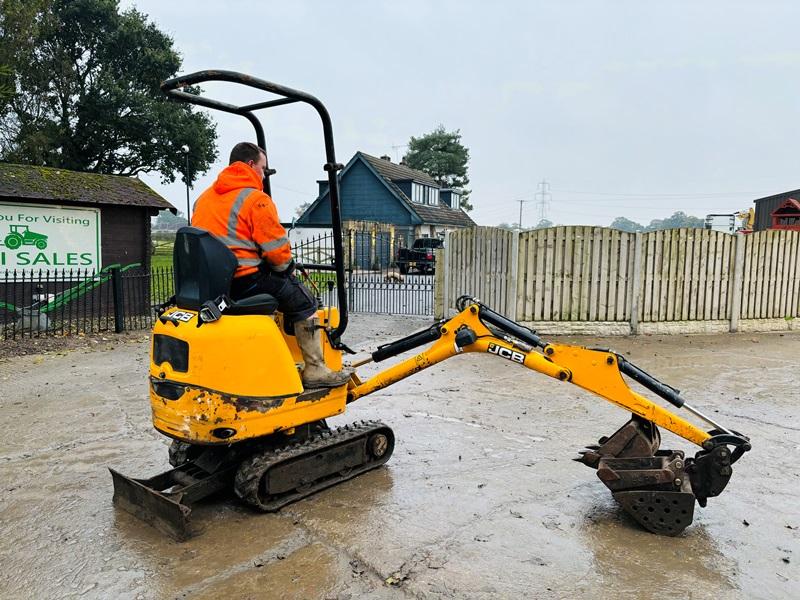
(270, 480)
(292, 468)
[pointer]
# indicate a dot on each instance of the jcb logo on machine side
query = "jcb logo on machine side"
(507, 353)
(182, 316)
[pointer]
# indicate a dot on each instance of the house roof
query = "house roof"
(791, 203)
(395, 172)
(388, 173)
(795, 193)
(438, 214)
(47, 183)
(442, 215)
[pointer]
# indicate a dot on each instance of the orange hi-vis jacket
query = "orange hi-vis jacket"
(237, 212)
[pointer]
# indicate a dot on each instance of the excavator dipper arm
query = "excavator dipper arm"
(657, 487)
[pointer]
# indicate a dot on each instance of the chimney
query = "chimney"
(386, 158)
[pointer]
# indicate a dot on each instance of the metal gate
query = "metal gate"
(373, 282)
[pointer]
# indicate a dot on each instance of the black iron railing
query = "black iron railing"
(78, 301)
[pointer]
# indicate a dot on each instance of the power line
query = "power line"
(292, 190)
(687, 195)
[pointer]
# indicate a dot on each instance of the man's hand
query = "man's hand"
(288, 271)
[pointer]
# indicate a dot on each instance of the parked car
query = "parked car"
(421, 256)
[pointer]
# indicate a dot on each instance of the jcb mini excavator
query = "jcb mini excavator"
(224, 385)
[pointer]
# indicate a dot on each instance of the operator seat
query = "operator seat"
(204, 268)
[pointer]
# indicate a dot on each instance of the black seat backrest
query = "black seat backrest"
(204, 267)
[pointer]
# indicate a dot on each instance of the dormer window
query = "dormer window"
(432, 196)
(424, 194)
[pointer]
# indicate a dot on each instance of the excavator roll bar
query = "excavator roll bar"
(181, 89)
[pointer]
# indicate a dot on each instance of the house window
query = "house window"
(433, 194)
(455, 201)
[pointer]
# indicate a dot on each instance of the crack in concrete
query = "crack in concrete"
(295, 542)
(371, 569)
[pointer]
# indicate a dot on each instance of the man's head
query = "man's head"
(251, 155)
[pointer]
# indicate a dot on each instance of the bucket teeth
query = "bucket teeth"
(588, 457)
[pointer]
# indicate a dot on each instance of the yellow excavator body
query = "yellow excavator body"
(225, 383)
(234, 379)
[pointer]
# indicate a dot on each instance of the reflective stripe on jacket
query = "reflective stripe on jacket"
(245, 219)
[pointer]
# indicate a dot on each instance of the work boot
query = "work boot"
(316, 373)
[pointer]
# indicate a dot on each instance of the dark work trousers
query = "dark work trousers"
(294, 300)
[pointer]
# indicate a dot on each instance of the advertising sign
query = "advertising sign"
(36, 237)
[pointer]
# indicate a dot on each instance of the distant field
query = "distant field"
(163, 258)
(163, 255)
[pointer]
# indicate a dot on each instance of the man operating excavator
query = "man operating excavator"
(237, 211)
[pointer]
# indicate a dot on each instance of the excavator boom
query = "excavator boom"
(657, 487)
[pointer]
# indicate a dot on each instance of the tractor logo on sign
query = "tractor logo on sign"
(21, 235)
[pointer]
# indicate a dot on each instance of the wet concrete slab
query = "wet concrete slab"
(480, 499)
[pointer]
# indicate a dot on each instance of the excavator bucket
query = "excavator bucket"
(658, 488)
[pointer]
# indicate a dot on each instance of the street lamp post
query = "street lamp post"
(185, 149)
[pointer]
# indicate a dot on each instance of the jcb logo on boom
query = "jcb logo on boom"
(507, 353)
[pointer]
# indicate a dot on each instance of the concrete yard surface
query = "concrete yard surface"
(479, 500)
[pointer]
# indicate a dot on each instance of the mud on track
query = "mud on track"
(480, 499)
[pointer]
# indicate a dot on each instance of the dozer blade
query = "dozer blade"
(164, 512)
(165, 501)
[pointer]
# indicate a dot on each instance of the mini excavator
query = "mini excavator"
(224, 385)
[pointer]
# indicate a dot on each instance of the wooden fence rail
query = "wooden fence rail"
(596, 274)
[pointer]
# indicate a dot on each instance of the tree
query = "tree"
(678, 219)
(544, 224)
(441, 155)
(301, 209)
(17, 30)
(509, 226)
(6, 87)
(168, 222)
(624, 224)
(86, 92)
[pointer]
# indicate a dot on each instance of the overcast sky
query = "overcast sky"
(635, 109)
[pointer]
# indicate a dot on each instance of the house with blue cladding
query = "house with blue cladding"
(376, 190)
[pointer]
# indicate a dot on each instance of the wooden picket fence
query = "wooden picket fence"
(596, 274)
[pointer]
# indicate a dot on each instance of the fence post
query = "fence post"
(119, 308)
(446, 274)
(636, 296)
(438, 284)
(349, 262)
(511, 290)
(738, 268)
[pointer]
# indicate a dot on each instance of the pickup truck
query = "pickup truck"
(420, 256)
